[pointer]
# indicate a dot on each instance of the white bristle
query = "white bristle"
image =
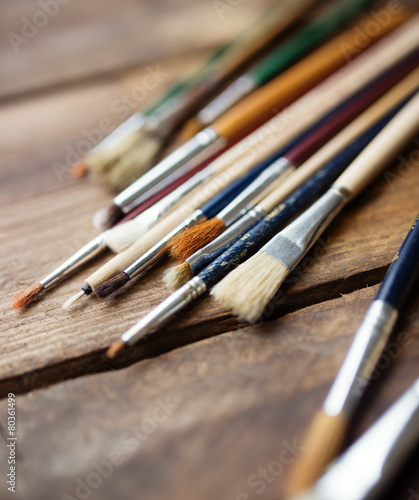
(177, 276)
(72, 300)
(122, 236)
(100, 218)
(248, 289)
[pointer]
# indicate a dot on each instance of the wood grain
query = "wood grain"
(238, 400)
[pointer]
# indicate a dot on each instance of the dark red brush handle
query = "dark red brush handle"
(349, 110)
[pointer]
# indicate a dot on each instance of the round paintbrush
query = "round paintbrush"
(248, 289)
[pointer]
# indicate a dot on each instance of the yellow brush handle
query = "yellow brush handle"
(343, 139)
(299, 78)
(385, 146)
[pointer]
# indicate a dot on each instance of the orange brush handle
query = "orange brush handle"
(302, 76)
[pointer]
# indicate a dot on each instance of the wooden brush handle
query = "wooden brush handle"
(301, 77)
(382, 150)
(356, 128)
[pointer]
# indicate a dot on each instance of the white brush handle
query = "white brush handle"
(385, 146)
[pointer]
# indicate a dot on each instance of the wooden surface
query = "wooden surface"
(237, 395)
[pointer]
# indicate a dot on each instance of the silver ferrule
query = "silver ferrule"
(203, 257)
(198, 149)
(85, 253)
(243, 202)
(164, 311)
(158, 250)
(234, 93)
(364, 470)
(292, 243)
(361, 360)
(128, 127)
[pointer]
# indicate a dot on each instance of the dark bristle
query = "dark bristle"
(108, 217)
(109, 287)
(27, 296)
(194, 238)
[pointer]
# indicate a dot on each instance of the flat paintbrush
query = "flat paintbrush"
(282, 90)
(327, 432)
(134, 155)
(250, 287)
(365, 470)
(246, 246)
(338, 88)
(277, 61)
(191, 240)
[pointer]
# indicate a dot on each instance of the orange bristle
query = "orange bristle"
(115, 349)
(80, 169)
(194, 238)
(191, 128)
(28, 296)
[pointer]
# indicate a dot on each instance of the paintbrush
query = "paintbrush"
(250, 287)
(277, 93)
(366, 468)
(248, 244)
(205, 212)
(179, 275)
(135, 154)
(277, 61)
(191, 240)
(335, 91)
(327, 432)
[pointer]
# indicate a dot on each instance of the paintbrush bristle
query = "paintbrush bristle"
(248, 289)
(112, 285)
(72, 300)
(115, 349)
(194, 238)
(107, 217)
(177, 276)
(323, 443)
(27, 296)
(190, 129)
(80, 169)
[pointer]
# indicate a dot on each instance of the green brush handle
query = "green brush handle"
(288, 52)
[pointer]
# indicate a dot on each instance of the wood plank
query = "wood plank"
(45, 344)
(86, 40)
(238, 400)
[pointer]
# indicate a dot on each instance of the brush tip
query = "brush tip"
(27, 296)
(107, 217)
(80, 169)
(190, 129)
(109, 287)
(177, 276)
(115, 349)
(72, 300)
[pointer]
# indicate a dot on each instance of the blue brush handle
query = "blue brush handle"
(403, 271)
(253, 240)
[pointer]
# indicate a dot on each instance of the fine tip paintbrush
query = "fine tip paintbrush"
(249, 288)
(365, 469)
(281, 91)
(179, 275)
(327, 432)
(278, 60)
(248, 244)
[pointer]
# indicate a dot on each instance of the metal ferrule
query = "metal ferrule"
(362, 359)
(85, 253)
(292, 243)
(128, 127)
(156, 212)
(158, 250)
(198, 149)
(234, 93)
(163, 312)
(243, 202)
(363, 471)
(203, 257)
